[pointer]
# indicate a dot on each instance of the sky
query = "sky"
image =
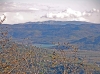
(21, 11)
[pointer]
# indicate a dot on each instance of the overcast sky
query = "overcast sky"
(71, 3)
(41, 10)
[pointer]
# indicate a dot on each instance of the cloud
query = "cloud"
(19, 16)
(12, 17)
(16, 7)
(24, 12)
(73, 12)
(70, 14)
(95, 10)
(1, 17)
(33, 9)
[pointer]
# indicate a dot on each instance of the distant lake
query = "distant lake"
(44, 45)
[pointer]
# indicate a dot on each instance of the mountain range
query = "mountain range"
(84, 35)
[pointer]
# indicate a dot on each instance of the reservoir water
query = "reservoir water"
(44, 45)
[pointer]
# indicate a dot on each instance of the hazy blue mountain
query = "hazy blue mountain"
(51, 22)
(83, 34)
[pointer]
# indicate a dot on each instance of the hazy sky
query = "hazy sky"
(41, 10)
(74, 3)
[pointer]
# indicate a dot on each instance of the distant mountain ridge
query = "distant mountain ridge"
(52, 22)
(83, 34)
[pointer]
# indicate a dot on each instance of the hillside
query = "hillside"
(83, 34)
